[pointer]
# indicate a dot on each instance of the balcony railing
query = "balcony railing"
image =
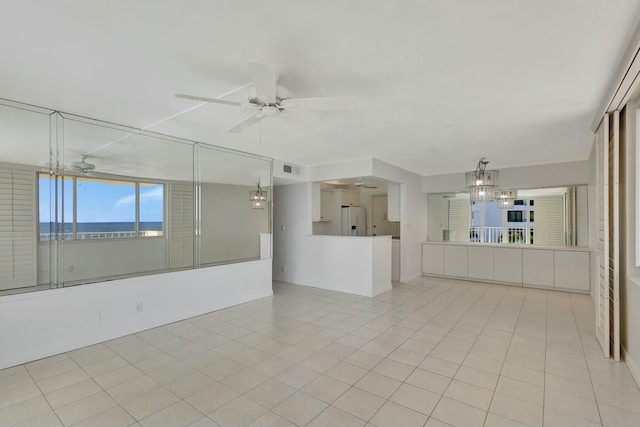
(88, 235)
(495, 235)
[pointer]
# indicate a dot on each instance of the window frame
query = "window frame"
(129, 180)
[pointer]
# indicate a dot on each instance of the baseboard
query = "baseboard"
(632, 365)
(403, 280)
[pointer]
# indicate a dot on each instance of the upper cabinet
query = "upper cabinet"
(326, 205)
(350, 198)
(315, 201)
(393, 200)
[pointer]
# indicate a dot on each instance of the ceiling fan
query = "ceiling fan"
(82, 166)
(269, 100)
(364, 185)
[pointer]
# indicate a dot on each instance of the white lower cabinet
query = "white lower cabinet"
(455, 261)
(433, 259)
(571, 270)
(480, 263)
(542, 267)
(537, 267)
(507, 265)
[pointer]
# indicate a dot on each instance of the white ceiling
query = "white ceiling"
(439, 83)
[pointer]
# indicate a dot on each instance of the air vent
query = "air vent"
(294, 170)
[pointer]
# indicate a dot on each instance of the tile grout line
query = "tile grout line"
(503, 361)
(593, 389)
(43, 395)
(395, 310)
(470, 288)
(444, 291)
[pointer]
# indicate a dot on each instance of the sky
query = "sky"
(104, 202)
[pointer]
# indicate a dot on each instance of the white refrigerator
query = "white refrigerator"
(354, 221)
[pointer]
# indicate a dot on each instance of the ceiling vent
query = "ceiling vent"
(291, 169)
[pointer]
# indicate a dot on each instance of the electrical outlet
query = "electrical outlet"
(283, 269)
(139, 307)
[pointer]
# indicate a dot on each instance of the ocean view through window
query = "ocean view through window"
(103, 208)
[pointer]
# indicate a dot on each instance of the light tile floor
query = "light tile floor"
(434, 352)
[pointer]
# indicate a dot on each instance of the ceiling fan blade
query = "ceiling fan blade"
(318, 104)
(264, 80)
(214, 100)
(246, 123)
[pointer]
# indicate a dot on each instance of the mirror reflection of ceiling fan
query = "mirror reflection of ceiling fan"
(82, 166)
(364, 185)
(269, 100)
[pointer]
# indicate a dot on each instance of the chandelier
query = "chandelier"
(482, 183)
(505, 198)
(258, 198)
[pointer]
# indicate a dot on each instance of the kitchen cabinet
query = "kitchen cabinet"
(350, 198)
(326, 205)
(393, 202)
(315, 201)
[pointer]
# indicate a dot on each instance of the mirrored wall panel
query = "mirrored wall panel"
(25, 153)
(84, 201)
(541, 216)
(234, 201)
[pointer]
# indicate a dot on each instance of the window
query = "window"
(104, 208)
(515, 216)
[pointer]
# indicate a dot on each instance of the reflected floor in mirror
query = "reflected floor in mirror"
(433, 352)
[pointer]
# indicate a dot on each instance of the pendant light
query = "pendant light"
(482, 183)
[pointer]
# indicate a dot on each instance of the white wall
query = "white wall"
(413, 217)
(350, 169)
(298, 174)
(340, 263)
(549, 175)
(40, 324)
(592, 201)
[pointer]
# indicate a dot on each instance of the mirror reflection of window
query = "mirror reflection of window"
(542, 217)
(151, 210)
(47, 215)
(105, 209)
